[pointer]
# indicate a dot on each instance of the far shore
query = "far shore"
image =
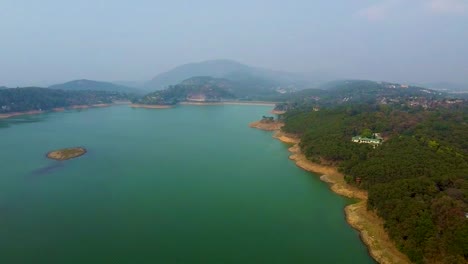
(151, 106)
(88, 106)
(230, 103)
(57, 109)
(12, 114)
(369, 225)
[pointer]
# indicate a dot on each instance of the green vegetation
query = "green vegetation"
(359, 92)
(33, 98)
(417, 179)
(66, 154)
(267, 119)
(208, 89)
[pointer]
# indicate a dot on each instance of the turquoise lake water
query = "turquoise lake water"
(192, 184)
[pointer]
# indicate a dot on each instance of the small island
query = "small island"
(66, 153)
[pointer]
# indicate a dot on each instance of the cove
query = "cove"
(190, 184)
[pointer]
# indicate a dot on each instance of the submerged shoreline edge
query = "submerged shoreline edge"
(367, 223)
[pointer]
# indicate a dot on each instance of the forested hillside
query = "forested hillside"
(33, 98)
(417, 178)
(209, 89)
(357, 92)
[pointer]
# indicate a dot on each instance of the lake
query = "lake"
(191, 184)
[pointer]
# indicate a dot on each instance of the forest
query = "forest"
(34, 98)
(417, 179)
(244, 88)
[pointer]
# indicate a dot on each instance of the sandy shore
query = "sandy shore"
(58, 109)
(151, 106)
(231, 103)
(8, 115)
(88, 106)
(369, 225)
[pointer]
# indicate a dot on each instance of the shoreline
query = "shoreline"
(13, 114)
(57, 109)
(151, 106)
(230, 103)
(88, 106)
(367, 223)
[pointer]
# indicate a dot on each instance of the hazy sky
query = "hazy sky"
(47, 41)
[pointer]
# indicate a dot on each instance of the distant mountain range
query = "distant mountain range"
(246, 82)
(84, 85)
(233, 71)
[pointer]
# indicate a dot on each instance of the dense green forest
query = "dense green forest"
(350, 92)
(33, 98)
(417, 179)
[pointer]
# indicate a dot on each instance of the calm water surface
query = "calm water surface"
(193, 184)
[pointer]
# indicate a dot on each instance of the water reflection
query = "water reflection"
(48, 169)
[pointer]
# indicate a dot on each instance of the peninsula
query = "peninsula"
(413, 175)
(369, 225)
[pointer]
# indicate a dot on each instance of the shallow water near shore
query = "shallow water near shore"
(191, 184)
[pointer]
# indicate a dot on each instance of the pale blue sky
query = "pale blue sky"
(51, 41)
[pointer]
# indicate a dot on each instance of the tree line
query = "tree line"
(33, 98)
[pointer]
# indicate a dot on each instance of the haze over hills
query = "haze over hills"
(45, 99)
(83, 85)
(448, 86)
(349, 92)
(252, 77)
(209, 89)
(131, 84)
(234, 71)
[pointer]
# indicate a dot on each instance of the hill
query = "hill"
(83, 85)
(231, 70)
(210, 89)
(35, 98)
(362, 91)
(197, 89)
